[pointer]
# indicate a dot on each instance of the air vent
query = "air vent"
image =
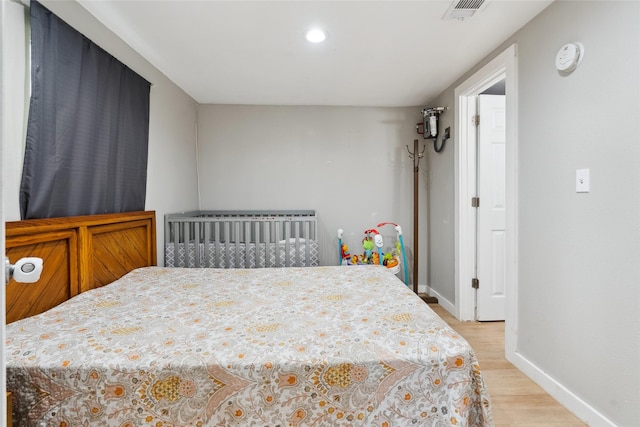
(462, 9)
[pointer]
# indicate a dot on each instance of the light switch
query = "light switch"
(582, 181)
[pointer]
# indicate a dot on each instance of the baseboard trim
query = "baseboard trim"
(443, 302)
(564, 396)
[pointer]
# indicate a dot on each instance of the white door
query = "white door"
(491, 225)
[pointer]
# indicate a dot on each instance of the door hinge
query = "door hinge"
(475, 202)
(475, 283)
(476, 120)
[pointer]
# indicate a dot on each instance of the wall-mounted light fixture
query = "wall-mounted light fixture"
(431, 118)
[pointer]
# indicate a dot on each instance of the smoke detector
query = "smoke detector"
(462, 9)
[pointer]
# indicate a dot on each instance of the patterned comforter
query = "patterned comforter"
(321, 346)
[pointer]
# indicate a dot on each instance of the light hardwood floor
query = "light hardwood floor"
(516, 400)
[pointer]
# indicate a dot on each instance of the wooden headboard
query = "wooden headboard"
(80, 253)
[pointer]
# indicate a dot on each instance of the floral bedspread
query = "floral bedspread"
(321, 346)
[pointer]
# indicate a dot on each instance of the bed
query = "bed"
(241, 239)
(319, 346)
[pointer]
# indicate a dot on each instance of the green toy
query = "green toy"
(367, 245)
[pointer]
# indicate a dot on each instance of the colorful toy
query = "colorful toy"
(367, 245)
(373, 240)
(377, 242)
(400, 248)
(345, 255)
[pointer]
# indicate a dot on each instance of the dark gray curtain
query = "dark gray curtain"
(88, 128)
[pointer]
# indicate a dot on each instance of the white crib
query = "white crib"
(241, 239)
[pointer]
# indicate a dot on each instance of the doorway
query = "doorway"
(501, 68)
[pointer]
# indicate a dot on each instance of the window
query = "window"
(88, 127)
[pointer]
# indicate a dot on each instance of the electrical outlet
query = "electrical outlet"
(582, 181)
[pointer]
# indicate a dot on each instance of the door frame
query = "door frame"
(3, 409)
(503, 65)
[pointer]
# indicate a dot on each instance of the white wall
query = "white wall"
(171, 177)
(440, 217)
(349, 164)
(578, 254)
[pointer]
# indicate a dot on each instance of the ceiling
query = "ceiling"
(377, 53)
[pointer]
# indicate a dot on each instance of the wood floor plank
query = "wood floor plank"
(516, 400)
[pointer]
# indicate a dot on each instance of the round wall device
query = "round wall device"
(569, 57)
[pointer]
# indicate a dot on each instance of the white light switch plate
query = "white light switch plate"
(582, 181)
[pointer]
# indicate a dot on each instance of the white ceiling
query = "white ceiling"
(378, 53)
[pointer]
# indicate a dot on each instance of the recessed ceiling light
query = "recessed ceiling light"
(316, 35)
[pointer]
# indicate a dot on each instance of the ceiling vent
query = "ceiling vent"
(462, 9)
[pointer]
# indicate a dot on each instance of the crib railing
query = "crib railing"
(245, 239)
